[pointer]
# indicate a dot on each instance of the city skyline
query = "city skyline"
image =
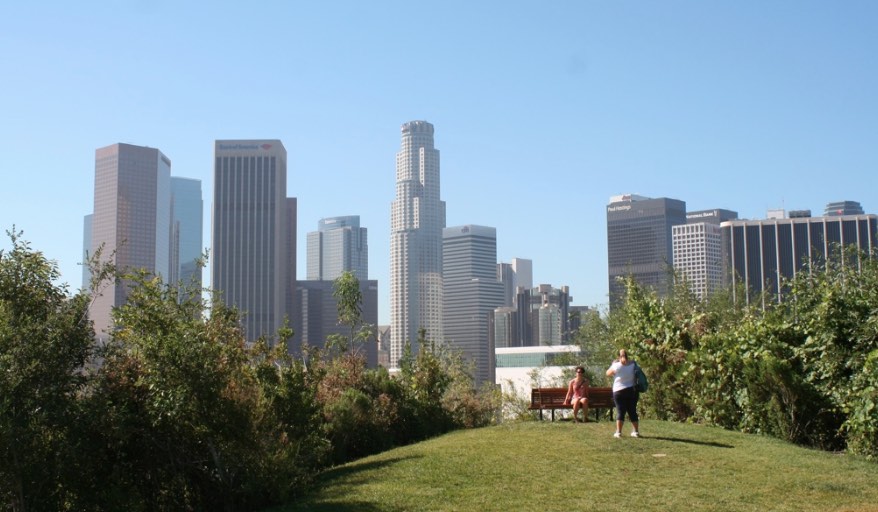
(542, 112)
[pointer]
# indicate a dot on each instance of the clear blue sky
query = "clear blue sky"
(542, 110)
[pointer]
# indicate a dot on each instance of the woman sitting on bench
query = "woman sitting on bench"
(577, 391)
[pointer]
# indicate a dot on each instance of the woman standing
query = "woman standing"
(577, 390)
(624, 395)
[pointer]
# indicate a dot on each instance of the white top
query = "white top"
(624, 376)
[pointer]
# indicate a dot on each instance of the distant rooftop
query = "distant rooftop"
(837, 208)
(627, 198)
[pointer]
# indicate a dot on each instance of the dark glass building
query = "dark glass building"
(187, 206)
(639, 241)
(764, 253)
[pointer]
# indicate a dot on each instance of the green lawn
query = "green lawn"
(562, 466)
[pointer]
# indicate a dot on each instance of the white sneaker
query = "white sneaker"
(635, 434)
(617, 435)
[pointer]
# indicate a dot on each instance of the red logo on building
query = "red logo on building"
(266, 146)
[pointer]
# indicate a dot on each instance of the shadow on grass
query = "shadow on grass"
(690, 441)
(348, 506)
(344, 475)
(354, 468)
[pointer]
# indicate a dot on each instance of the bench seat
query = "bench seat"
(599, 398)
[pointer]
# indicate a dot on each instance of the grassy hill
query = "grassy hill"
(562, 466)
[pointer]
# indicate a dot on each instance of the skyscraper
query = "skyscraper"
(698, 256)
(253, 254)
(187, 206)
(416, 222)
(639, 240)
(698, 250)
(764, 253)
(318, 316)
(541, 316)
(132, 216)
(545, 311)
(472, 291)
(518, 273)
(338, 245)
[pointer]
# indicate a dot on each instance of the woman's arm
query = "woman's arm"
(611, 370)
(569, 392)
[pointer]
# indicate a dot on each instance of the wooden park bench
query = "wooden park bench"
(553, 398)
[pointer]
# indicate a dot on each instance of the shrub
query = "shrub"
(861, 425)
(45, 341)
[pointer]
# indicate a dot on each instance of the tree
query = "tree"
(349, 301)
(189, 418)
(45, 343)
(593, 339)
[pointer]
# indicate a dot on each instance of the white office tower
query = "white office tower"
(698, 256)
(416, 222)
(338, 245)
(472, 292)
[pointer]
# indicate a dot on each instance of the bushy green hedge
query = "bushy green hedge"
(176, 412)
(802, 370)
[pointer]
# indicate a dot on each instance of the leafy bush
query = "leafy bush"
(358, 406)
(192, 419)
(176, 412)
(797, 370)
(861, 425)
(45, 340)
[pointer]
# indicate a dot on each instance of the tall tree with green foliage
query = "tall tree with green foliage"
(349, 303)
(45, 343)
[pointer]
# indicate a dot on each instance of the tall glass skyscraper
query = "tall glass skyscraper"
(253, 256)
(338, 245)
(472, 292)
(416, 222)
(187, 206)
(132, 217)
(639, 240)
